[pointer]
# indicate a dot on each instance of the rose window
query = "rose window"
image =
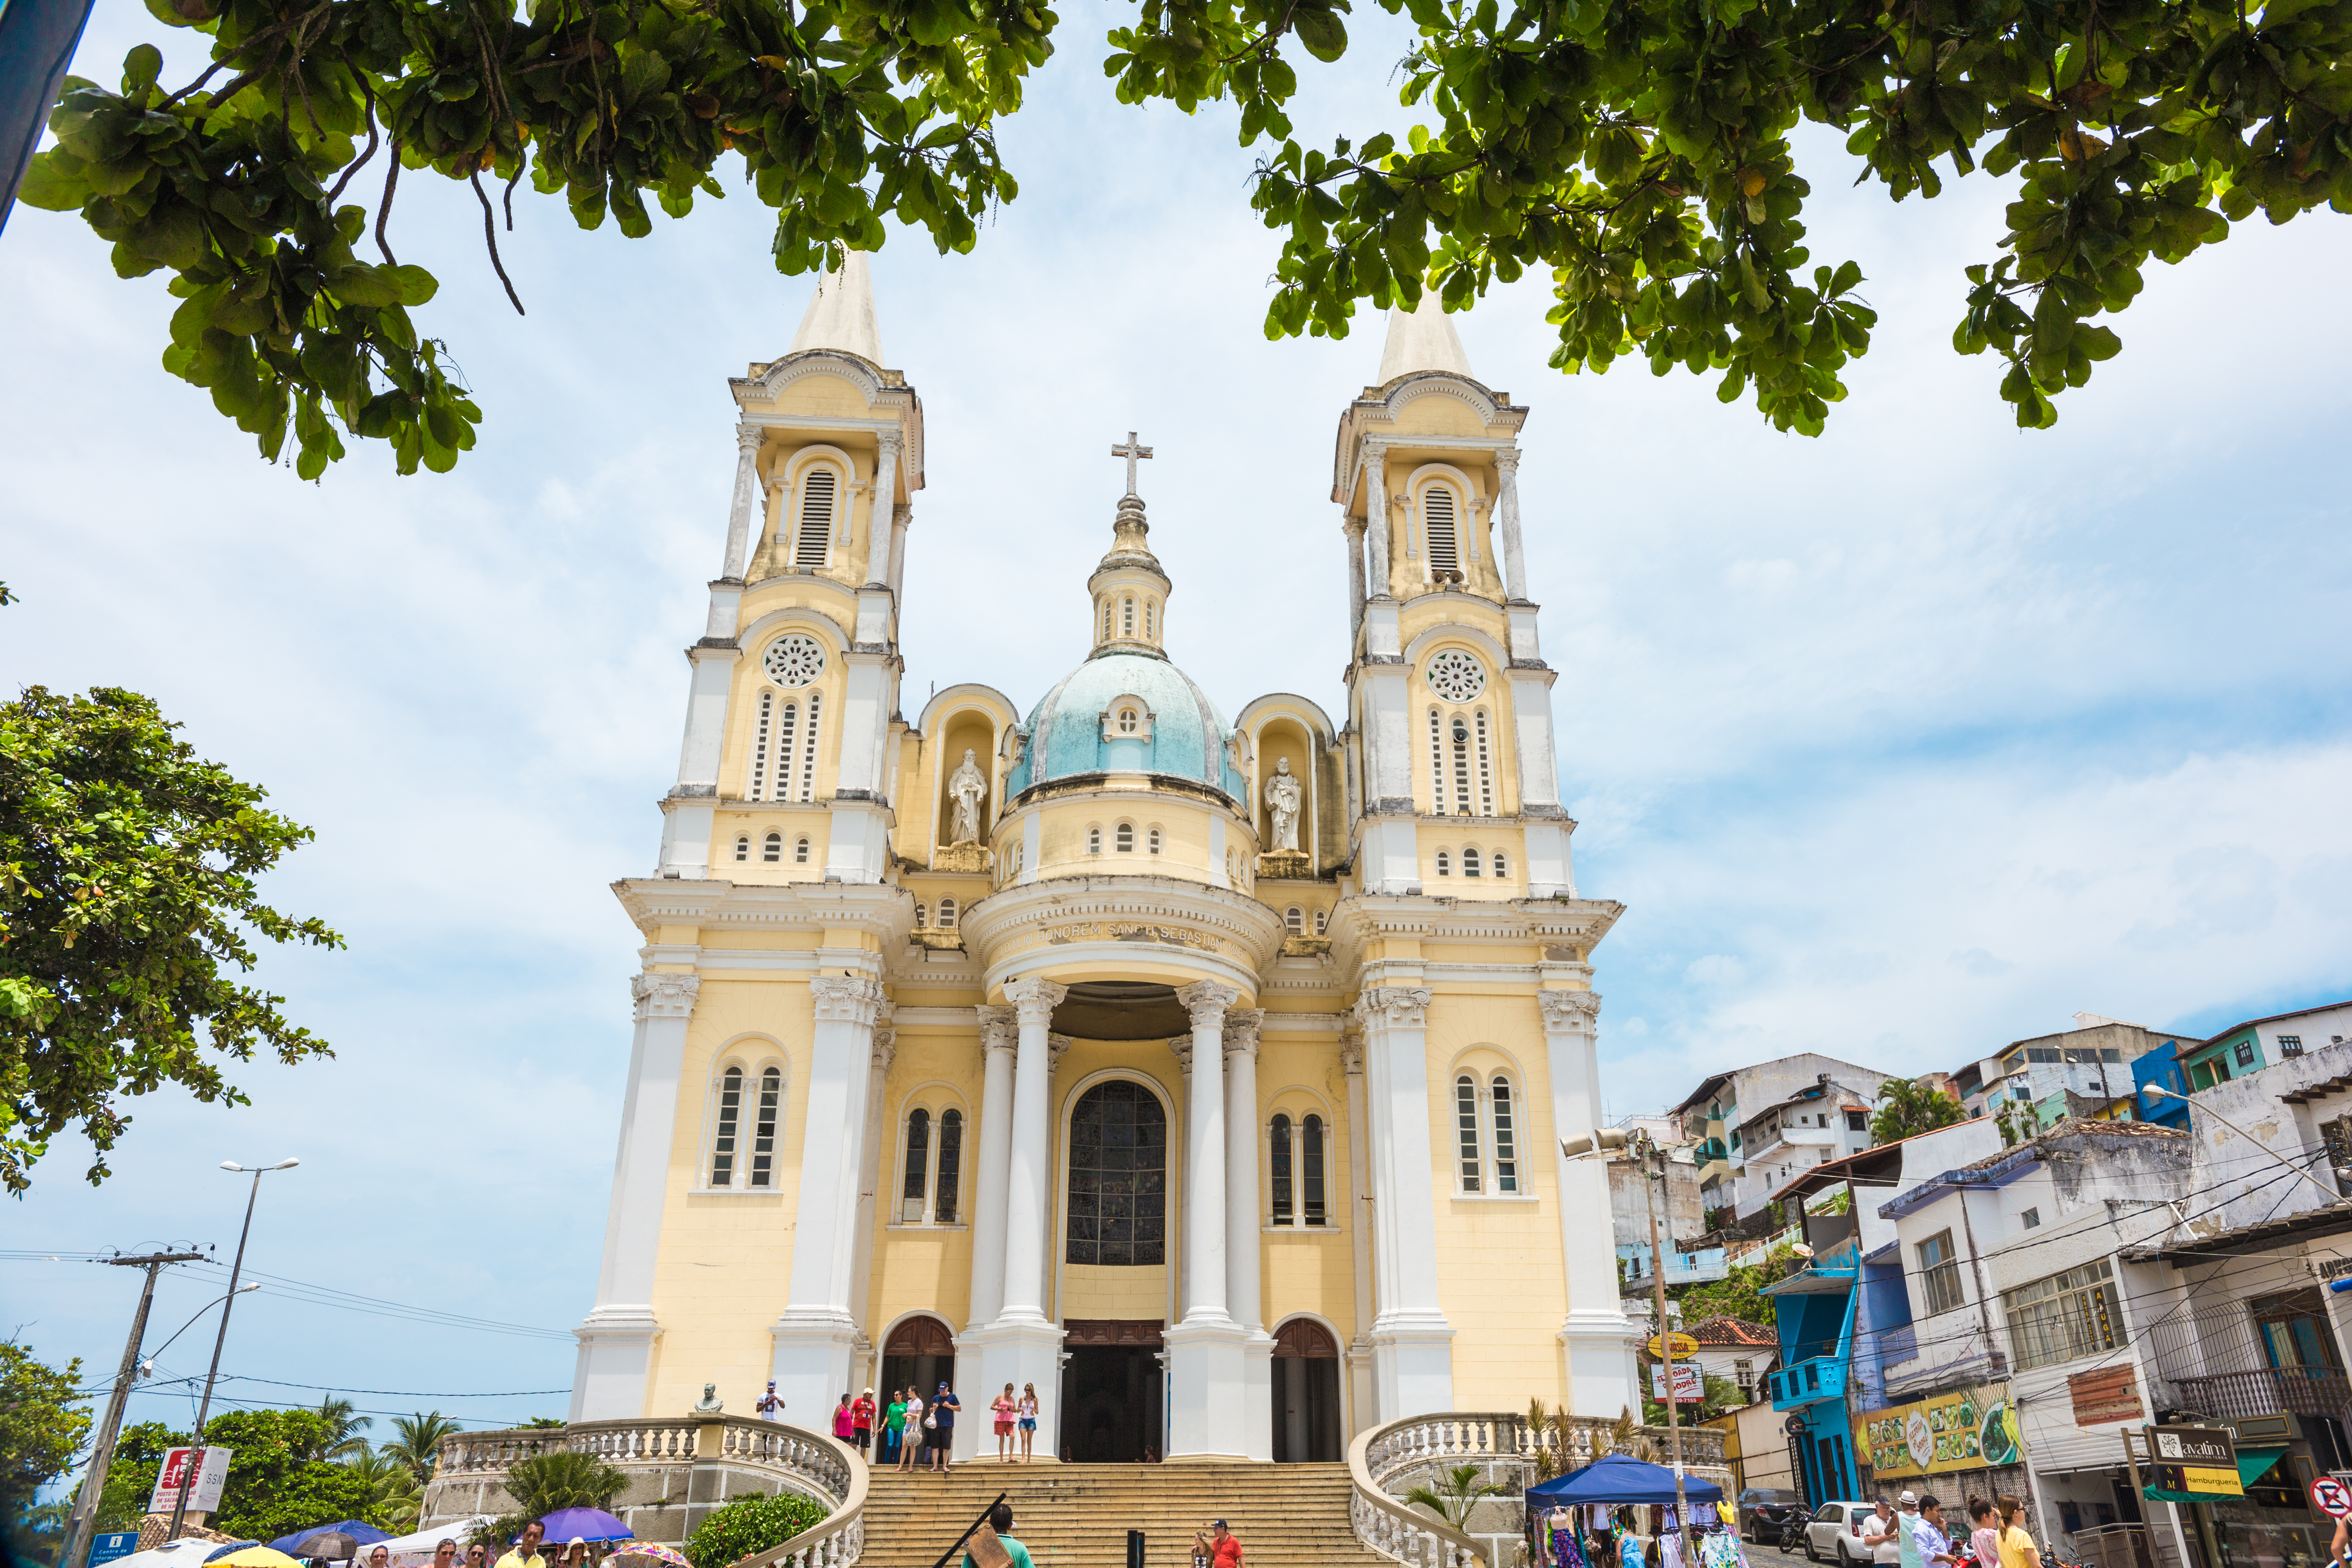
(1456, 676)
(793, 660)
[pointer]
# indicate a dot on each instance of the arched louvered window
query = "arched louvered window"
(764, 1128)
(808, 752)
(1470, 862)
(1507, 1147)
(722, 1143)
(1149, 618)
(1125, 838)
(1445, 864)
(1322, 921)
(1486, 768)
(947, 914)
(1106, 621)
(1126, 617)
(1437, 761)
(1155, 841)
(922, 915)
(943, 1200)
(819, 488)
(742, 847)
(1294, 921)
(1094, 839)
(763, 728)
(801, 851)
(788, 728)
(1458, 732)
(1502, 864)
(1437, 526)
(1312, 1205)
(772, 848)
(1465, 1123)
(918, 1167)
(1279, 1142)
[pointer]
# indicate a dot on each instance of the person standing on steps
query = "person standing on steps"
(1028, 1413)
(1224, 1546)
(1002, 1407)
(861, 1422)
(941, 1422)
(842, 1429)
(911, 1447)
(893, 1429)
(1000, 1519)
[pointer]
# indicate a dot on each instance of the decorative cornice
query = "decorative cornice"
(845, 998)
(1573, 1011)
(1035, 997)
(1394, 1006)
(1241, 1030)
(1207, 1001)
(1000, 1029)
(664, 995)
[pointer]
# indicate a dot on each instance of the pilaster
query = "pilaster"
(1207, 1350)
(1363, 1404)
(688, 815)
(1245, 1215)
(1022, 1345)
(869, 1197)
(816, 1335)
(1412, 1354)
(1596, 1339)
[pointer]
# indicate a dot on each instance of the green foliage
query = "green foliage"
(34, 1536)
(418, 1444)
(127, 870)
(1454, 1496)
(1838, 1202)
(1906, 1108)
(1740, 1292)
(43, 1426)
(393, 1494)
(752, 1524)
(545, 1482)
(1551, 1429)
(345, 1442)
(276, 1485)
(545, 1424)
(1637, 151)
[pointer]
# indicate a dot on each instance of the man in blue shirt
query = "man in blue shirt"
(942, 1432)
(1920, 1534)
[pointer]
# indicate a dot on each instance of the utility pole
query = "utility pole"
(93, 1481)
(188, 1473)
(1653, 1175)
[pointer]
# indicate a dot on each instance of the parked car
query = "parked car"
(1764, 1510)
(1835, 1533)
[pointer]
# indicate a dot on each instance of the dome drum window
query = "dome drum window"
(1124, 837)
(1127, 718)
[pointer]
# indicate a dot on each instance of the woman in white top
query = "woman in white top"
(913, 1443)
(1028, 1412)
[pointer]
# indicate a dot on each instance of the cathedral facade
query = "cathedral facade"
(1206, 1075)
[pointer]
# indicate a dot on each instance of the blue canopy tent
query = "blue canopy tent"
(360, 1531)
(1620, 1479)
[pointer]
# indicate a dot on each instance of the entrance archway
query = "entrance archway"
(1306, 1395)
(919, 1353)
(1111, 1391)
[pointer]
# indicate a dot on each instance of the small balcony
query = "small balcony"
(1808, 1383)
(2303, 1390)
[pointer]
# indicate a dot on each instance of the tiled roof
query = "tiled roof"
(1734, 1331)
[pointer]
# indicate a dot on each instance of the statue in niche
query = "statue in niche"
(1282, 797)
(969, 786)
(709, 1403)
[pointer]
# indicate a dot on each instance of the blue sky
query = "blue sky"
(1899, 744)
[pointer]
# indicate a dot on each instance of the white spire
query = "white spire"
(1423, 340)
(841, 313)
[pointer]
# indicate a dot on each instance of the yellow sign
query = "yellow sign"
(1684, 1345)
(1966, 1431)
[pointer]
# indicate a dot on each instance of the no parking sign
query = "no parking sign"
(2331, 1496)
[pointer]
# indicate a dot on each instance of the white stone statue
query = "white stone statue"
(1283, 796)
(969, 786)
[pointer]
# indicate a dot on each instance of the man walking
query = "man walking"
(944, 1405)
(1000, 1519)
(1224, 1546)
(526, 1548)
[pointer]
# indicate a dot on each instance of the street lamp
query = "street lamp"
(147, 1366)
(228, 1304)
(2158, 1092)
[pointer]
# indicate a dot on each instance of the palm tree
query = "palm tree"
(392, 1497)
(343, 1441)
(1456, 1496)
(419, 1443)
(565, 1479)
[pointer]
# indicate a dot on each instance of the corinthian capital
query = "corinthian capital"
(845, 998)
(1056, 1047)
(1034, 998)
(891, 441)
(886, 1047)
(1000, 1029)
(1568, 1010)
(1242, 1026)
(748, 437)
(664, 995)
(1508, 460)
(1207, 1001)
(1182, 1046)
(1394, 1006)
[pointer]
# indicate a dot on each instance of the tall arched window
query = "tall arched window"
(801, 850)
(762, 737)
(1278, 1140)
(1105, 620)
(922, 915)
(1322, 921)
(1470, 861)
(772, 848)
(1094, 839)
(742, 847)
(1294, 921)
(1149, 618)
(1502, 864)
(722, 1143)
(1125, 837)
(1155, 841)
(943, 1197)
(1459, 733)
(1437, 525)
(1126, 617)
(918, 1167)
(1437, 761)
(1118, 1177)
(1485, 769)
(1313, 1205)
(1466, 1123)
(1445, 864)
(819, 488)
(763, 1128)
(1507, 1145)
(947, 914)
(808, 752)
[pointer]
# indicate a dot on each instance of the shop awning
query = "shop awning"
(2254, 1463)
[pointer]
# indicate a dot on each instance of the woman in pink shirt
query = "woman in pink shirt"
(842, 1429)
(1004, 1406)
(1984, 1540)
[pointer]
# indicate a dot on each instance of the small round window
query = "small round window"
(1456, 676)
(1128, 721)
(793, 660)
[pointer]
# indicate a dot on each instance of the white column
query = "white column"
(1376, 518)
(1597, 1337)
(1353, 527)
(1245, 1219)
(901, 517)
(1515, 566)
(1022, 1345)
(687, 813)
(870, 1197)
(997, 1040)
(1412, 1354)
(881, 533)
(1207, 1375)
(738, 515)
(1363, 1405)
(616, 1339)
(815, 1337)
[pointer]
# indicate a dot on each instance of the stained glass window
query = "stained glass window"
(1281, 1150)
(1118, 1177)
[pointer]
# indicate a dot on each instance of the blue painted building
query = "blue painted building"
(2161, 1069)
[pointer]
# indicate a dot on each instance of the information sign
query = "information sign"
(111, 1544)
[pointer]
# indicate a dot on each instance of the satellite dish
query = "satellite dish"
(1801, 1249)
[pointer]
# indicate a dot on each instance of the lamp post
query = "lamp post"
(2158, 1092)
(228, 1304)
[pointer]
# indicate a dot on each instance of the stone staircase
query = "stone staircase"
(1077, 1515)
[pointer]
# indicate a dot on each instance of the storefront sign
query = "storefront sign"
(2108, 1394)
(1965, 1431)
(1690, 1383)
(2198, 1459)
(210, 1468)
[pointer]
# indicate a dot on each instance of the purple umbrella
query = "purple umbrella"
(588, 1524)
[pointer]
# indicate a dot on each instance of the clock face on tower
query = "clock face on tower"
(793, 660)
(1456, 676)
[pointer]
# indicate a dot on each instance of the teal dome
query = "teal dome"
(1184, 735)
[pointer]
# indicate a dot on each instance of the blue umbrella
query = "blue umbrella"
(588, 1524)
(1620, 1478)
(362, 1532)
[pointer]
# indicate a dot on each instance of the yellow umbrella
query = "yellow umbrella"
(257, 1557)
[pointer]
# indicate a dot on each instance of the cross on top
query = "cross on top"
(1131, 451)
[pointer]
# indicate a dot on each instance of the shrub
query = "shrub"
(752, 1524)
(565, 1479)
